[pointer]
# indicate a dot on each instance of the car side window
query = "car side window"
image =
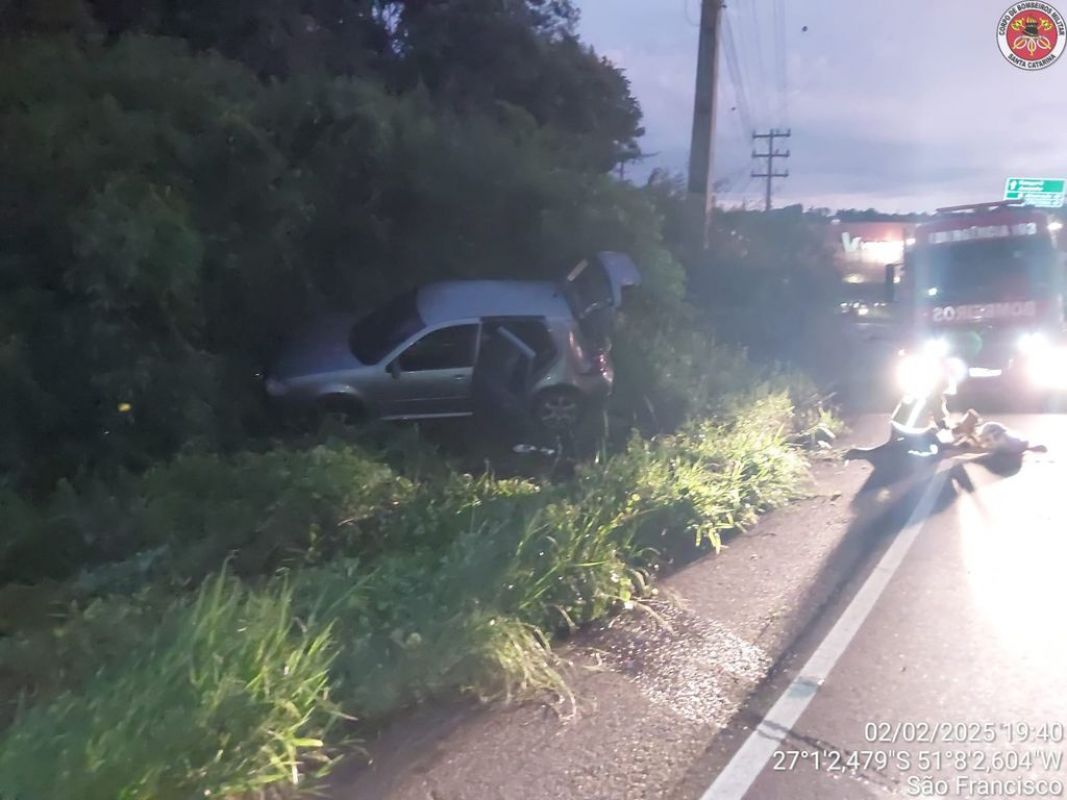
(446, 348)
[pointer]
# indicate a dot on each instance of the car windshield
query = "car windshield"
(380, 332)
(1010, 269)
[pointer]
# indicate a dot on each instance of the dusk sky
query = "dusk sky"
(898, 104)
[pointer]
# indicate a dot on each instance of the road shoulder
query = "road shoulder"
(653, 689)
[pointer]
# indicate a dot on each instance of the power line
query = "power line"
(734, 30)
(734, 33)
(725, 184)
(688, 17)
(760, 61)
(744, 191)
(740, 194)
(734, 186)
(737, 81)
(782, 58)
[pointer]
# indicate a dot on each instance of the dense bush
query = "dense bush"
(265, 510)
(770, 284)
(766, 283)
(670, 368)
(120, 198)
(168, 219)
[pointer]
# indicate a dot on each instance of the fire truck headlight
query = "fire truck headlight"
(1033, 343)
(918, 374)
(936, 348)
(1048, 367)
(957, 370)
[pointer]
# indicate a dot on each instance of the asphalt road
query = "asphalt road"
(941, 669)
(884, 608)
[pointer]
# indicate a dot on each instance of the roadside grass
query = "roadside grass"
(229, 695)
(351, 591)
(184, 517)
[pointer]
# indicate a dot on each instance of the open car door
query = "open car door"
(503, 377)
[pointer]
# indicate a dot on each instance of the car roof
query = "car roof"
(445, 301)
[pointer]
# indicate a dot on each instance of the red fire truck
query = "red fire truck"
(984, 288)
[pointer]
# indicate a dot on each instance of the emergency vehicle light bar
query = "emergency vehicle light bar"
(980, 207)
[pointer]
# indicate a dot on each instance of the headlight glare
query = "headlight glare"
(957, 370)
(1048, 367)
(918, 374)
(1034, 342)
(938, 348)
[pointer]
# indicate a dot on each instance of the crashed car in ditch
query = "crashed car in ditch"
(540, 346)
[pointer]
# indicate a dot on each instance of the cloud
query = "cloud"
(908, 102)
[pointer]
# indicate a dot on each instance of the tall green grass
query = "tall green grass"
(263, 510)
(231, 694)
(399, 595)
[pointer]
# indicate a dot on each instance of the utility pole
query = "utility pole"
(770, 155)
(701, 190)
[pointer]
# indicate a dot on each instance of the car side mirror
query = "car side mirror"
(394, 368)
(890, 283)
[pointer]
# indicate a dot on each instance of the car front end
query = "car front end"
(315, 363)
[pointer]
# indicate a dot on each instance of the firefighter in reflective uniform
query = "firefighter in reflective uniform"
(915, 426)
(917, 420)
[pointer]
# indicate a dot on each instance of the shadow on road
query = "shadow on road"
(900, 481)
(886, 502)
(882, 508)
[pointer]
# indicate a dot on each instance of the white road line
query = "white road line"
(748, 762)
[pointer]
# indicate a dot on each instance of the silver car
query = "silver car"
(439, 350)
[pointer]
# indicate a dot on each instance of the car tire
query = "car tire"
(348, 408)
(559, 409)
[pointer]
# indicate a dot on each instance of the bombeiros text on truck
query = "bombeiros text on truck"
(983, 293)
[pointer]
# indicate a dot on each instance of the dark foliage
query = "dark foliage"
(167, 218)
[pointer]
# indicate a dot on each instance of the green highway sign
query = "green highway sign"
(1041, 192)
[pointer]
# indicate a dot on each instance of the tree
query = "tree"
(134, 188)
(767, 282)
(169, 219)
(506, 58)
(484, 54)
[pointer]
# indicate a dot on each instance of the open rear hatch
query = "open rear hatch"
(595, 290)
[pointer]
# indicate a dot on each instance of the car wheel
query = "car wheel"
(558, 409)
(348, 408)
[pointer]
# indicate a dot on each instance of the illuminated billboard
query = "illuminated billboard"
(862, 250)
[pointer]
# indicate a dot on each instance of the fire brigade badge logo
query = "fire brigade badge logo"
(1032, 35)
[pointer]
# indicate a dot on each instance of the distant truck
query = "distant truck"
(983, 289)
